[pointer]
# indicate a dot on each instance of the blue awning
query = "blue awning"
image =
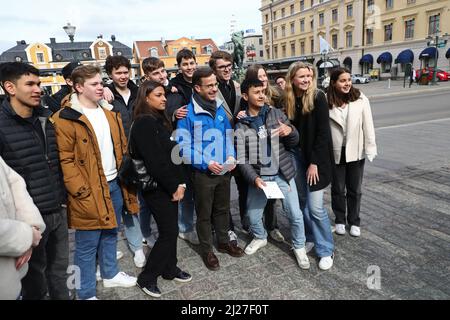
(430, 52)
(385, 57)
(367, 58)
(406, 56)
(447, 55)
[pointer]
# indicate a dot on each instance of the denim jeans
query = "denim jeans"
(145, 217)
(101, 243)
(186, 206)
(317, 222)
(257, 201)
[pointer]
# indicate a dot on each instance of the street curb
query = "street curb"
(402, 93)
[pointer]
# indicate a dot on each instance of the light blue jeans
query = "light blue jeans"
(186, 207)
(317, 222)
(145, 217)
(256, 202)
(101, 243)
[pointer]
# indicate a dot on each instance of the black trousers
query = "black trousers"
(212, 203)
(346, 191)
(47, 269)
(162, 260)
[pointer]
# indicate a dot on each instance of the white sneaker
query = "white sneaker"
(93, 299)
(302, 258)
(254, 245)
(119, 255)
(120, 280)
(139, 258)
(326, 263)
(340, 229)
(98, 275)
(309, 246)
(355, 231)
(276, 235)
(190, 237)
(232, 236)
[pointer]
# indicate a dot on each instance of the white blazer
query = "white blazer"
(360, 132)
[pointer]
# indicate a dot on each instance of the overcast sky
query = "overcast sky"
(129, 20)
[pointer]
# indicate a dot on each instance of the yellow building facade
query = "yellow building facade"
(366, 35)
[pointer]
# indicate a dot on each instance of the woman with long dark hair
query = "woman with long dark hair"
(151, 141)
(307, 108)
(353, 136)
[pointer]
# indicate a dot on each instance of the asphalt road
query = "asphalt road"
(411, 108)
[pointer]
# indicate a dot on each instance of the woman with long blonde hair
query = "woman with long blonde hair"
(307, 108)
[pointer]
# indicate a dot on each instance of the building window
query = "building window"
(174, 51)
(433, 26)
(370, 5)
(293, 49)
(274, 15)
(267, 18)
(268, 53)
(292, 9)
(411, 1)
(389, 4)
(283, 51)
(349, 39)
(194, 50)
(275, 52)
(209, 50)
(321, 19)
(293, 28)
(18, 59)
(312, 24)
(154, 52)
(334, 41)
(302, 48)
(302, 5)
(349, 11)
(312, 3)
(58, 57)
(409, 29)
(312, 45)
(261, 53)
(302, 25)
(283, 31)
(369, 36)
(275, 33)
(334, 15)
(388, 32)
(102, 55)
(283, 13)
(267, 35)
(260, 41)
(40, 57)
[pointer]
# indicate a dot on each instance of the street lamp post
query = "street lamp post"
(70, 30)
(435, 42)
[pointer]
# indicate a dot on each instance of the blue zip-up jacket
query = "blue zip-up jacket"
(203, 138)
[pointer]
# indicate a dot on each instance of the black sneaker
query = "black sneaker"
(183, 277)
(151, 290)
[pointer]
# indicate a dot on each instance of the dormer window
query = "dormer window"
(154, 52)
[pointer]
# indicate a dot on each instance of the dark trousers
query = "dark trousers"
(212, 202)
(162, 260)
(346, 191)
(49, 262)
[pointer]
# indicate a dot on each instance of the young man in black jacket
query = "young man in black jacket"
(125, 94)
(28, 146)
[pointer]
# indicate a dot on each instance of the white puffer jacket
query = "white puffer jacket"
(18, 215)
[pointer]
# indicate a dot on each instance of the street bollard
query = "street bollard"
(389, 83)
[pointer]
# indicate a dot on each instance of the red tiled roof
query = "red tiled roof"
(144, 48)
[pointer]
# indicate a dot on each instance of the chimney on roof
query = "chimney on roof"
(100, 36)
(113, 38)
(52, 40)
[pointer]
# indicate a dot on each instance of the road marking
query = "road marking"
(413, 124)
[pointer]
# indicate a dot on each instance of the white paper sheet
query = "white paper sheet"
(227, 166)
(272, 190)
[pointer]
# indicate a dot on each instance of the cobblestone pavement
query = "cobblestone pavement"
(405, 237)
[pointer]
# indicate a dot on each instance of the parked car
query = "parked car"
(358, 78)
(441, 75)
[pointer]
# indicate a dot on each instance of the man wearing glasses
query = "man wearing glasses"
(206, 140)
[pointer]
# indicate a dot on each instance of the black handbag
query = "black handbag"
(134, 173)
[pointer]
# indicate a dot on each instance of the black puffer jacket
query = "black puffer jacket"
(185, 89)
(22, 150)
(125, 110)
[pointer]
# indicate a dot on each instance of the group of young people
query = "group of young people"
(194, 133)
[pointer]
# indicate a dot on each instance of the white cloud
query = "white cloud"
(129, 20)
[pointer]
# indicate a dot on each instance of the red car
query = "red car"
(441, 75)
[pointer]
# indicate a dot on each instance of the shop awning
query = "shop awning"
(429, 52)
(329, 64)
(447, 55)
(385, 57)
(406, 56)
(367, 58)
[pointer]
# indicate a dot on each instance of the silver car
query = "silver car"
(357, 78)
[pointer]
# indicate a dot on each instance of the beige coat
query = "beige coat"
(360, 132)
(18, 215)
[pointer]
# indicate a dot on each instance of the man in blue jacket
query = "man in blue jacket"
(206, 141)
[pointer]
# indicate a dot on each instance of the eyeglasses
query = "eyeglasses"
(226, 66)
(210, 86)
